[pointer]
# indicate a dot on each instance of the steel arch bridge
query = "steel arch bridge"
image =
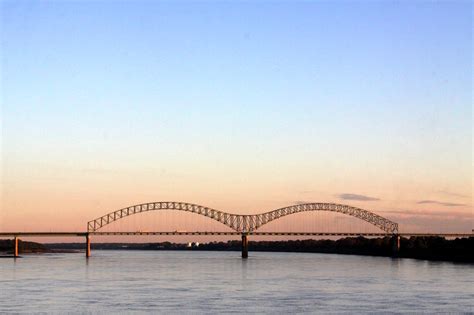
(245, 223)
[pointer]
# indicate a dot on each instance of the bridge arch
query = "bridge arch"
(365, 215)
(244, 223)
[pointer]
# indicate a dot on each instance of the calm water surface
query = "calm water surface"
(221, 282)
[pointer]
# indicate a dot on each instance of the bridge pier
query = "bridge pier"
(15, 247)
(395, 245)
(88, 246)
(245, 246)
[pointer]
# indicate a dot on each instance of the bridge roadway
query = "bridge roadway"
(87, 235)
(231, 233)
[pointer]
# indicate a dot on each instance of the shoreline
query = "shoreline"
(421, 248)
(232, 250)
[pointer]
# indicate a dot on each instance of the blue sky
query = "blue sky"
(264, 92)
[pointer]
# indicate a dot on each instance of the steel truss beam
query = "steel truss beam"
(244, 223)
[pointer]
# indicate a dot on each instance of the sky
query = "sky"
(241, 106)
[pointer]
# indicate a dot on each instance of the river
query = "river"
(221, 282)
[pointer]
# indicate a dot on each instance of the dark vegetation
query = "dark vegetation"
(438, 248)
(429, 248)
(24, 247)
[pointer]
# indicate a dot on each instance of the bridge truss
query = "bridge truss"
(244, 223)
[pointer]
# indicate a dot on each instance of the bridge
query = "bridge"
(242, 225)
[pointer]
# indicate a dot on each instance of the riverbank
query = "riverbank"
(6, 248)
(426, 248)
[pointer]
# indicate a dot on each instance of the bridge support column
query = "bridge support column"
(15, 247)
(245, 246)
(88, 246)
(395, 245)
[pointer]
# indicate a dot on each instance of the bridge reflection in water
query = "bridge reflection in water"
(243, 225)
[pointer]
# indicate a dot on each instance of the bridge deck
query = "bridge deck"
(232, 233)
